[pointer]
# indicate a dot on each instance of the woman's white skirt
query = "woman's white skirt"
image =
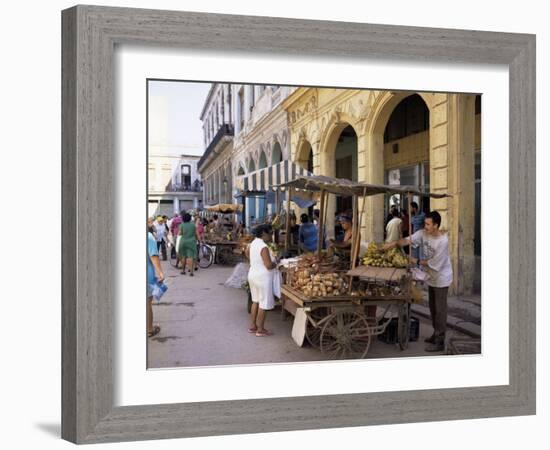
(261, 288)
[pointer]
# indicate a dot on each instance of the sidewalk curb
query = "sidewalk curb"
(469, 328)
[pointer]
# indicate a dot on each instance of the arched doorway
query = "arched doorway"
(304, 159)
(345, 164)
(304, 156)
(382, 156)
(251, 204)
(407, 152)
(242, 215)
(339, 158)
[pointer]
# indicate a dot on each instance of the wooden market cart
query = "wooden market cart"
(226, 250)
(343, 325)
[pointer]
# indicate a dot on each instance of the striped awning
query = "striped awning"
(265, 179)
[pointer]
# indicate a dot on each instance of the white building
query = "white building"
(174, 184)
(245, 130)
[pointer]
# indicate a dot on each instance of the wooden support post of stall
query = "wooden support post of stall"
(354, 239)
(409, 200)
(359, 223)
(321, 222)
(287, 224)
(277, 207)
(355, 231)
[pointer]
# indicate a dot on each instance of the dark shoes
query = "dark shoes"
(436, 343)
(430, 340)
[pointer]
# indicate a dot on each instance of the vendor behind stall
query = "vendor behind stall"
(228, 224)
(307, 234)
(436, 262)
(345, 244)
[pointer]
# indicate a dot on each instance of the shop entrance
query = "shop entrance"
(407, 152)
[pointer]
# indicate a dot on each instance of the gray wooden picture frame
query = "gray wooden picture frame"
(90, 34)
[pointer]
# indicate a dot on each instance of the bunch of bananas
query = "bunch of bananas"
(376, 257)
(397, 258)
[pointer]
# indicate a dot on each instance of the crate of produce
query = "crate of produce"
(389, 336)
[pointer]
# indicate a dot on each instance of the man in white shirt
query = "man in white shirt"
(437, 263)
(160, 234)
(393, 228)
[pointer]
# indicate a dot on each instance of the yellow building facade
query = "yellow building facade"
(431, 140)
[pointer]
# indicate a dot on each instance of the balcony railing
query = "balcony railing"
(225, 130)
(195, 187)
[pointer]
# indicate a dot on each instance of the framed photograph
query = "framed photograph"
(119, 67)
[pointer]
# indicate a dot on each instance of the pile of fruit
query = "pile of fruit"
(377, 257)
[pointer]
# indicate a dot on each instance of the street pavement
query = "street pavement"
(204, 323)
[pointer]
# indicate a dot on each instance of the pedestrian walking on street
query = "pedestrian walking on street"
(437, 263)
(160, 233)
(187, 249)
(260, 279)
(154, 275)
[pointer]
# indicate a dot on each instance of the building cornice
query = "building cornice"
(208, 98)
(295, 96)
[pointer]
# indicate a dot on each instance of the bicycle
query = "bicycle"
(205, 254)
(204, 251)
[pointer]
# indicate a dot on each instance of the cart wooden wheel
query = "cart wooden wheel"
(313, 334)
(403, 326)
(346, 335)
(224, 256)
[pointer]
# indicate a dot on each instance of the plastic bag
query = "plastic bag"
(419, 274)
(157, 290)
(238, 276)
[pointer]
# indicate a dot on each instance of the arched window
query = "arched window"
(263, 160)
(276, 154)
(410, 116)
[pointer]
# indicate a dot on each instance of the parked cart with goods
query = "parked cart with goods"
(336, 309)
(225, 242)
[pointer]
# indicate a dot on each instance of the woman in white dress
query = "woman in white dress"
(260, 279)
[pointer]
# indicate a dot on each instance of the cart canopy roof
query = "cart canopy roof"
(225, 208)
(345, 187)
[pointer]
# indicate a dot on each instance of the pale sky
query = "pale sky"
(175, 127)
